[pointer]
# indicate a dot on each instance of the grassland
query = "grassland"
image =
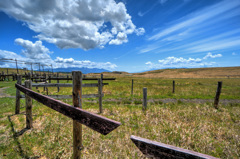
(194, 126)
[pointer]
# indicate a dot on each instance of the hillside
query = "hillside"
(215, 72)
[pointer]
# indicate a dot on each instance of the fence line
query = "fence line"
(100, 85)
(89, 119)
(96, 122)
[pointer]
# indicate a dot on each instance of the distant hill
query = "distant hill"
(84, 70)
(210, 72)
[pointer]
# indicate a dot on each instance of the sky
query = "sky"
(120, 35)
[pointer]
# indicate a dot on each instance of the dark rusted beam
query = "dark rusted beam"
(155, 149)
(96, 122)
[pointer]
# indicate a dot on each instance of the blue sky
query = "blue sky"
(128, 35)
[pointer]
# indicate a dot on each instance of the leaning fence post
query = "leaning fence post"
(173, 84)
(144, 99)
(132, 88)
(29, 122)
(218, 92)
(17, 108)
(100, 86)
(77, 102)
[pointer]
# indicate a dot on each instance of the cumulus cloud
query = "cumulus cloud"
(74, 23)
(38, 53)
(33, 50)
(210, 55)
(4, 54)
(174, 60)
(70, 62)
(183, 62)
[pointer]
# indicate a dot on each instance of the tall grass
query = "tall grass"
(198, 127)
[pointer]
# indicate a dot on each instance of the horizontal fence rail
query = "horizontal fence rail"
(96, 122)
(155, 149)
(69, 96)
(64, 78)
(64, 84)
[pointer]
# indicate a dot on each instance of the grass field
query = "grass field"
(193, 126)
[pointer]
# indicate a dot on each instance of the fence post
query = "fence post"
(29, 122)
(45, 80)
(132, 88)
(3, 76)
(17, 107)
(49, 79)
(144, 99)
(100, 86)
(57, 81)
(173, 88)
(216, 100)
(77, 102)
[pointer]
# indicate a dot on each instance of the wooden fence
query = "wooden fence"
(100, 85)
(96, 122)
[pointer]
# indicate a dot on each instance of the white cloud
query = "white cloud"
(210, 55)
(174, 60)
(74, 23)
(140, 31)
(70, 62)
(38, 53)
(182, 62)
(33, 50)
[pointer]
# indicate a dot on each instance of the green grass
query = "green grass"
(197, 127)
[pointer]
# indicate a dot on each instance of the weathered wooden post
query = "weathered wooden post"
(57, 81)
(144, 99)
(3, 76)
(13, 77)
(29, 120)
(77, 102)
(29, 76)
(173, 87)
(100, 87)
(132, 88)
(7, 71)
(49, 79)
(17, 107)
(45, 79)
(36, 79)
(218, 92)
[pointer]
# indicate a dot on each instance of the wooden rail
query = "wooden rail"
(70, 78)
(64, 85)
(96, 122)
(69, 96)
(155, 149)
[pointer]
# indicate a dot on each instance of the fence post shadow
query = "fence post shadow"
(15, 137)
